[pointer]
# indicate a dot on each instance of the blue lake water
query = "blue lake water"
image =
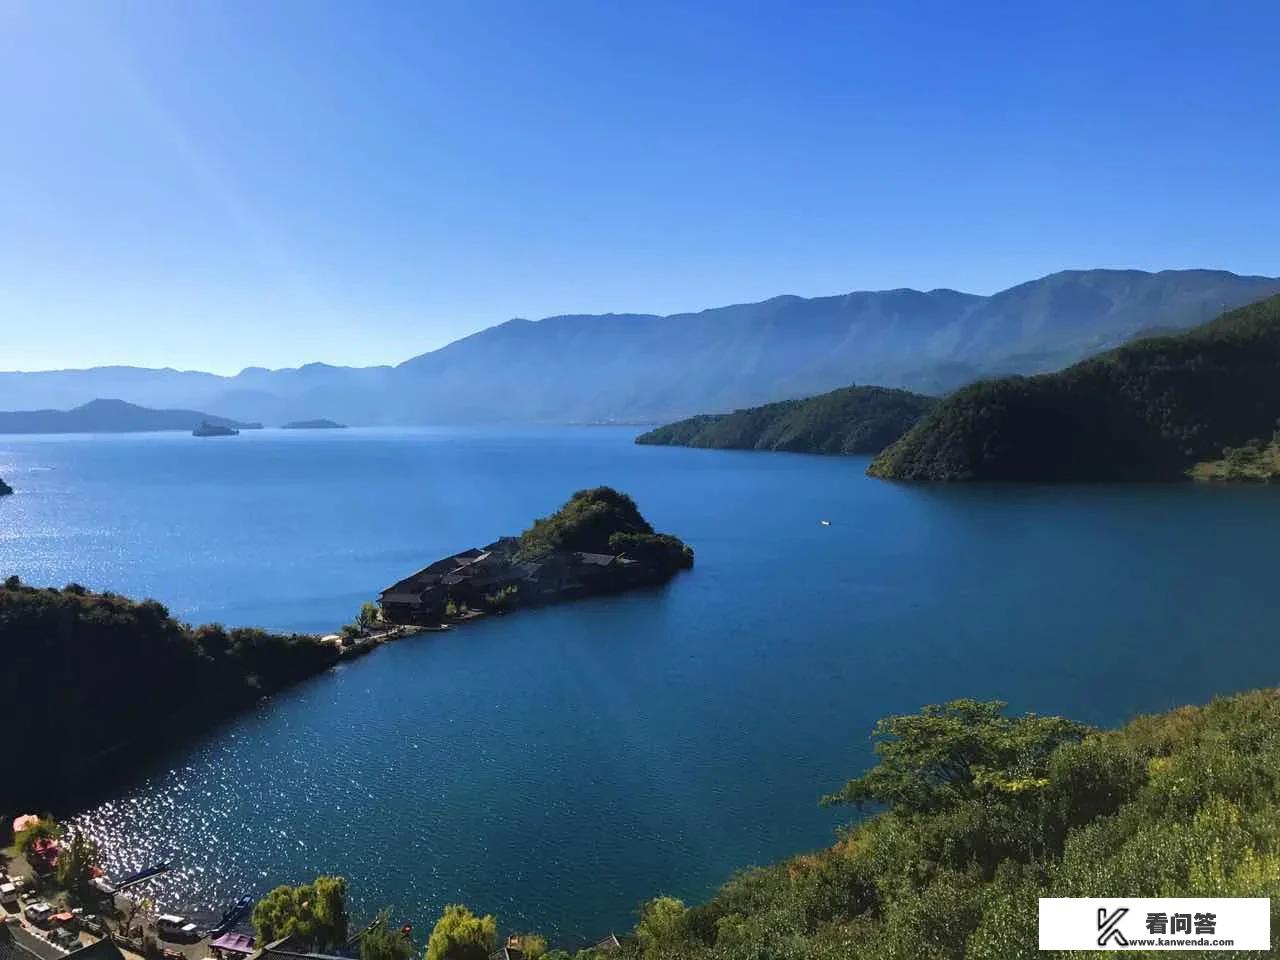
(556, 767)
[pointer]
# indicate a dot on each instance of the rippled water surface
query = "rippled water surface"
(556, 767)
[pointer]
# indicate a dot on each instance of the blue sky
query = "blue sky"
(213, 185)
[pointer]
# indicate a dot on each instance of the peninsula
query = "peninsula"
(846, 421)
(1150, 410)
(110, 416)
(321, 424)
(596, 543)
(134, 672)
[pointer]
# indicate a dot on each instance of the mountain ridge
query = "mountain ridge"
(647, 367)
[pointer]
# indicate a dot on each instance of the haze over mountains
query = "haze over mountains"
(640, 367)
(111, 416)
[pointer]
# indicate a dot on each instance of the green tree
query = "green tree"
(661, 930)
(314, 914)
(955, 752)
(460, 935)
(382, 942)
(45, 828)
(368, 617)
(76, 862)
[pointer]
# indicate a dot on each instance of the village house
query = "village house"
(473, 577)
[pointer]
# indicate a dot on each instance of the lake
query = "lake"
(558, 766)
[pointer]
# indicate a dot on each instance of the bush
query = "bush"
(460, 935)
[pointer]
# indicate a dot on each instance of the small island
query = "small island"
(5, 489)
(207, 429)
(313, 425)
(597, 543)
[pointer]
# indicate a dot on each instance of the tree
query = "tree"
(460, 935)
(661, 929)
(141, 909)
(45, 828)
(958, 751)
(314, 914)
(381, 942)
(368, 617)
(76, 862)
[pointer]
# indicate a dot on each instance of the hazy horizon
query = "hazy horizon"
(235, 370)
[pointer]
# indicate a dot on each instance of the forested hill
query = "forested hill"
(102, 678)
(851, 420)
(1147, 410)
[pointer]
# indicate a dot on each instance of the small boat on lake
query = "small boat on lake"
(142, 875)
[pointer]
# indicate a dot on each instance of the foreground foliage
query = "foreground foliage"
(1148, 410)
(845, 421)
(313, 915)
(380, 941)
(104, 673)
(984, 814)
(460, 935)
(980, 815)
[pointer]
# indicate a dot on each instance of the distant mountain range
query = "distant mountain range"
(851, 420)
(640, 367)
(1150, 410)
(110, 416)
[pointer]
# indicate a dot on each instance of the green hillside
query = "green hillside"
(977, 814)
(1147, 410)
(850, 420)
(103, 679)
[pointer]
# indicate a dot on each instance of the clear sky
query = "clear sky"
(210, 185)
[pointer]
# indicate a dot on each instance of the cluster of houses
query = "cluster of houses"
(475, 578)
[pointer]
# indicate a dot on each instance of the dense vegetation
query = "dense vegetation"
(1254, 462)
(1147, 410)
(102, 677)
(313, 915)
(602, 520)
(980, 814)
(976, 815)
(850, 420)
